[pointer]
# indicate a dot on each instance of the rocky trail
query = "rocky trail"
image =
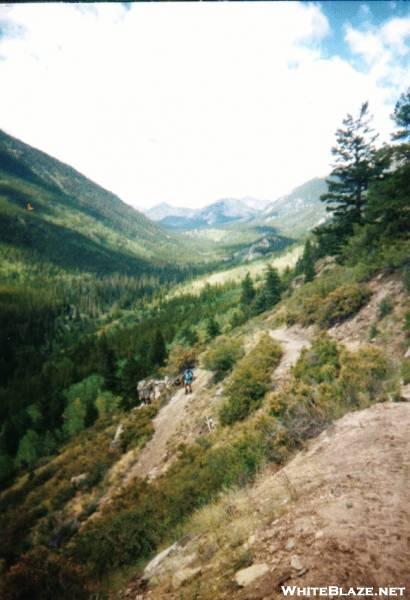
(153, 456)
(171, 417)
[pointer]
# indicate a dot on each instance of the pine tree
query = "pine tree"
(401, 117)
(248, 291)
(308, 262)
(388, 209)
(158, 351)
(355, 167)
(131, 375)
(106, 363)
(272, 287)
(213, 329)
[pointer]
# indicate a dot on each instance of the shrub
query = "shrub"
(309, 411)
(385, 307)
(133, 529)
(319, 363)
(222, 356)
(310, 401)
(81, 411)
(361, 376)
(373, 332)
(44, 576)
(106, 403)
(405, 371)
(342, 303)
(179, 358)
(407, 322)
(250, 381)
(139, 429)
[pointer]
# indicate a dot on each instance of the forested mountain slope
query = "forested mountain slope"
(106, 460)
(53, 213)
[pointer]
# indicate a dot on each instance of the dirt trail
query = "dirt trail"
(293, 340)
(153, 456)
(170, 418)
(341, 515)
(349, 516)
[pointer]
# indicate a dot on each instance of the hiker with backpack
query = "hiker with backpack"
(188, 377)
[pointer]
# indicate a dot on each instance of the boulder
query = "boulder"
(245, 577)
(117, 437)
(153, 565)
(290, 544)
(296, 563)
(75, 481)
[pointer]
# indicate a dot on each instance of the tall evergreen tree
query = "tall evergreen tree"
(248, 291)
(355, 166)
(269, 294)
(132, 373)
(106, 363)
(388, 209)
(213, 329)
(272, 286)
(401, 117)
(158, 351)
(308, 262)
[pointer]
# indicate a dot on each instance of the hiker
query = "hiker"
(188, 377)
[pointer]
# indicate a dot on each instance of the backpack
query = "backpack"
(188, 376)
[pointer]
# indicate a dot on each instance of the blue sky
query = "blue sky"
(190, 102)
(359, 15)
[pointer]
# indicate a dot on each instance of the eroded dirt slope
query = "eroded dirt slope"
(338, 514)
(154, 455)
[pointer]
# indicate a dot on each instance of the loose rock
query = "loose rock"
(296, 563)
(245, 577)
(184, 575)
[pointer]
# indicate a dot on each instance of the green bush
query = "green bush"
(179, 358)
(362, 375)
(319, 363)
(405, 371)
(81, 411)
(385, 308)
(342, 303)
(310, 401)
(139, 428)
(250, 381)
(407, 322)
(373, 332)
(41, 575)
(138, 523)
(222, 356)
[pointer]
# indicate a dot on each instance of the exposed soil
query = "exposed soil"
(293, 340)
(356, 330)
(344, 515)
(155, 456)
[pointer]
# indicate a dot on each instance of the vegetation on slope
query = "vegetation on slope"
(69, 376)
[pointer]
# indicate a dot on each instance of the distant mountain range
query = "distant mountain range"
(298, 212)
(221, 212)
(301, 209)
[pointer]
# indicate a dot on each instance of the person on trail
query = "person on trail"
(188, 377)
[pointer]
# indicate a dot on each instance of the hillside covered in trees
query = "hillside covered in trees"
(90, 306)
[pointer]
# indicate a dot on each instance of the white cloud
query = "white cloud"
(185, 102)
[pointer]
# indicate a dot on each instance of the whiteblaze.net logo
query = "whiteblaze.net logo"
(332, 591)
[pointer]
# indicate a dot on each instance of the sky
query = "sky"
(187, 103)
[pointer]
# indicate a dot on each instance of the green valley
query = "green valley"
(108, 458)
